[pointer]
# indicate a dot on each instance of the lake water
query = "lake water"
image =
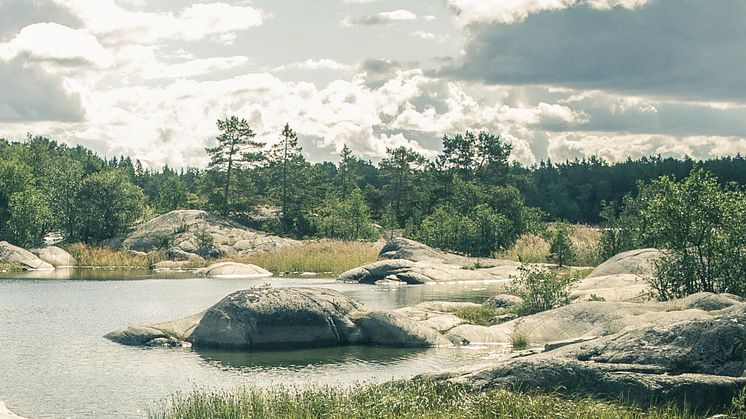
(54, 361)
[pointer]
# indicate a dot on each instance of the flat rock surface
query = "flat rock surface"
(233, 269)
(14, 254)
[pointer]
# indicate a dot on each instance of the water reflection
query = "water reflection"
(95, 274)
(304, 358)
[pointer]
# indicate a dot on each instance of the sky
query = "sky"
(558, 79)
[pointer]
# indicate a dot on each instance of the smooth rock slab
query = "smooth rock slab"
(233, 270)
(55, 256)
(14, 254)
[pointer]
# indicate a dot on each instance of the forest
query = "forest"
(471, 198)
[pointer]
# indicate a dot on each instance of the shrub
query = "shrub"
(479, 315)
(561, 249)
(541, 290)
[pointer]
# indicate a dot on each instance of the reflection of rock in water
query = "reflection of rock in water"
(303, 358)
(92, 274)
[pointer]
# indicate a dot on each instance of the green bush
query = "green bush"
(482, 315)
(541, 290)
(561, 249)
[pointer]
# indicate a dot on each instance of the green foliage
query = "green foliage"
(172, 195)
(519, 341)
(420, 399)
(541, 290)
(348, 219)
(561, 249)
(204, 238)
(29, 218)
(481, 315)
(478, 233)
(109, 204)
(235, 150)
(701, 226)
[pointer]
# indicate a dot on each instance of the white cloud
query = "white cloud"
(429, 36)
(510, 11)
(318, 64)
(112, 23)
(51, 42)
(381, 18)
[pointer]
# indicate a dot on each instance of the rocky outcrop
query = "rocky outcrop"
(699, 361)
(285, 318)
(14, 254)
(233, 270)
(55, 256)
(503, 301)
(200, 233)
(406, 261)
(624, 277)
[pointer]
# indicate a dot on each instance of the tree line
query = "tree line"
(470, 198)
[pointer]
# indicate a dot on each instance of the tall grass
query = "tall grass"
(325, 256)
(104, 257)
(482, 315)
(534, 248)
(410, 400)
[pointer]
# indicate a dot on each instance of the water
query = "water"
(54, 361)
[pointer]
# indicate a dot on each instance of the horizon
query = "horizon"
(560, 81)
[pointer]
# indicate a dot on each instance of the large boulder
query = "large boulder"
(233, 270)
(698, 361)
(14, 254)
(55, 256)
(623, 277)
(190, 230)
(268, 318)
(388, 328)
(637, 262)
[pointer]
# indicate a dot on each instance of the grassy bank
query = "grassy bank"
(411, 400)
(10, 267)
(534, 248)
(104, 257)
(325, 256)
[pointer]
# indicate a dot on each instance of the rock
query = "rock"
(233, 270)
(414, 263)
(387, 328)
(562, 343)
(286, 318)
(14, 254)
(504, 318)
(177, 254)
(637, 262)
(267, 318)
(185, 228)
(698, 361)
(471, 334)
(55, 256)
(706, 301)
(503, 301)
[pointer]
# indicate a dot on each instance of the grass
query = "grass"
(534, 248)
(104, 257)
(480, 315)
(324, 256)
(519, 341)
(408, 400)
(10, 267)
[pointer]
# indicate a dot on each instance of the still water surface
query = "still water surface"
(54, 361)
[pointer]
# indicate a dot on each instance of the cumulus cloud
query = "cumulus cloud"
(112, 23)
(511, 11)
(56, 43)
(381, 18)
(669, 48)
(429, 36)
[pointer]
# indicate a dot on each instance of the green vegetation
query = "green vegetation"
(104, 257)
(399, 400)
(561, 250)
(469, 199)
(325, 256)
(482, 315)
(10, 267)
(519, 341)
(541, 290)
(698, 223)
